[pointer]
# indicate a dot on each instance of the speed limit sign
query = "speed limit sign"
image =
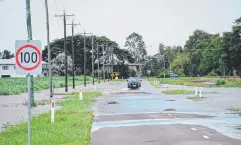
(28, 59)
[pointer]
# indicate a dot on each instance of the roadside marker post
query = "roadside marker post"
(28, 61)
(52, 110)
(80, 95)
(200, 94)
(196, 91)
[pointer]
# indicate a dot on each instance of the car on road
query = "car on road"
(133, 82)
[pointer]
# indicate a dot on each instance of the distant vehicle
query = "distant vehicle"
(133, 82)
(173, 75)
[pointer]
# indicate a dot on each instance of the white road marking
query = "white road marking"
(176, 118)
(193, 129)
(169, 114)
(206, 137)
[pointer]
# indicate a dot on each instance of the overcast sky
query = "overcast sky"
(159, 21)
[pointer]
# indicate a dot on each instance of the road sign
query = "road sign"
(28, 57)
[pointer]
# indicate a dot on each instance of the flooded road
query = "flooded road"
(147, 106)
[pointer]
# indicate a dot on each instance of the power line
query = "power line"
(56, 5)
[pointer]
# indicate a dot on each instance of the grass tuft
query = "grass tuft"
(235, 109)
(177, 92)
(195, 98)
(72, 125)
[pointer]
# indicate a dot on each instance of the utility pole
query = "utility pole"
(108, 64)
(112, 63)
(65, 54)
(93, 73)
(164, 64)
(103, 62)
(98, 63)
(85, 56)
(84, 61)
(49, 51)
(30, 77)
(73, 67)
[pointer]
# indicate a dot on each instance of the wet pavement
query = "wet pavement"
(147, 116)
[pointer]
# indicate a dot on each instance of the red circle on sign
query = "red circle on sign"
(32, 47)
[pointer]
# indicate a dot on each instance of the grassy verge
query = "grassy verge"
(11, 86)
(235, 110)
(155, 84)
(197, 81)
(195, 98)
(72, 125)
(177, 92)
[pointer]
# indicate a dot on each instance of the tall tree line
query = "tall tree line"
(203, 54)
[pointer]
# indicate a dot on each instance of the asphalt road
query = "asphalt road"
(148, 117)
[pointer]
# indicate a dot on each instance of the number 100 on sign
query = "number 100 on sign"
(28, 58)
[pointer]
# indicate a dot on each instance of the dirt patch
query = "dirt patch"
(170, 100)
(170, 109)
(112, 102)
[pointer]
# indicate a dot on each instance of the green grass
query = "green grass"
(11, 86)
(177, 92)
(72, 125)
(196, 81)
(235, 110)
(155, 84)
(196, 98)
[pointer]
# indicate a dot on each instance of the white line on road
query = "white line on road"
(206, 137)
(169, 114)
(193, 129)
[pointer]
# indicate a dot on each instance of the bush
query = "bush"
(161, 74)
(212, 73)
(220, 82)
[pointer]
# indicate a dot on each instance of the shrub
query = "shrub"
(161, 74)
(212, 73)
(220, 82)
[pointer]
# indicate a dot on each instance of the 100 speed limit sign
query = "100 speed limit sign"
(28, 59)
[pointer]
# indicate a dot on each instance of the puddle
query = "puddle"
(131, 92)
(227, 124)
(149, 103)
(224, 124)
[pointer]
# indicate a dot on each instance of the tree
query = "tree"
(6, 54)
(56, 46)
(136, 46)
(58, 66)
(161, 49)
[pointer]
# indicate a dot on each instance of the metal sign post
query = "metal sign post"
(28, 61)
